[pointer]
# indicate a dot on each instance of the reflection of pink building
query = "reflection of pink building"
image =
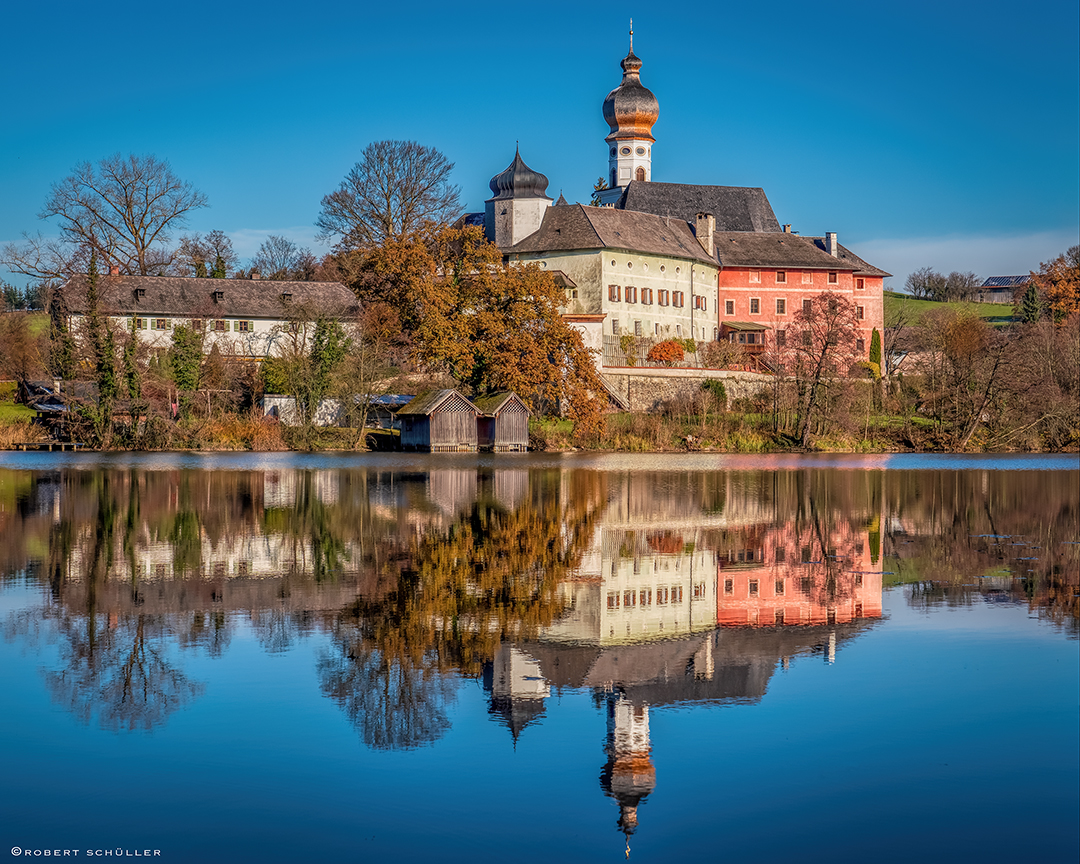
(784, 576)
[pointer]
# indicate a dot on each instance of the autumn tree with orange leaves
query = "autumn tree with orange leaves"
(1059, 281)
(491, 326)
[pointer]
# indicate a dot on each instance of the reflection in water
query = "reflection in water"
(648, 588)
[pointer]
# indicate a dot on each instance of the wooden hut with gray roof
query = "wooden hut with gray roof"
(439, 421)
(503, 424)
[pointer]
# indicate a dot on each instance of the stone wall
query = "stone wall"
(648, 389)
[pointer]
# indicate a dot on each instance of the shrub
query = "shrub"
(667, 352)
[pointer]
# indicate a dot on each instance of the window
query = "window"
(614, 293)
(729, 586)
(701, 303)
(631, 294)
(645, 597)
(677, 298)
(807, 306)
(778, 616)
(699, 591)
(640, 174)
(780, 555)
(138, 324)
(755, 275)
(860, 312)
(656, 329)
(860, 284)
(781, 338)
(678, 330)
(860, 345)
(612, 599)
(219, 326)
(629, 598)
(833, 279)
(806, 340)
(753, 587)
(779, 586)
(807, 278)
(729, 307)
(637, 328)
(661, 596)
(755, 305)
(781, 276)
(571, 293)
(676, 593)
(161, 323)
(662, 297)
(243, 326)
(615, 328)
(197, 325)
(646, 296)
(781, 306)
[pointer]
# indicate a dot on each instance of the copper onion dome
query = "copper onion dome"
(518, 181)
(631, 109)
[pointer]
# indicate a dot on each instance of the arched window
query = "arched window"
(640, 173)
(614, 179)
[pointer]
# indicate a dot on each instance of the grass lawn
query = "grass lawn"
(997, 314)
(12, 413)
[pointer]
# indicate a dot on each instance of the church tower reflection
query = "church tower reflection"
(629, 774)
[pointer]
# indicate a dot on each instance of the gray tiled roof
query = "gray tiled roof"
(579, 227)
(182, 297)
(736, 208)
(862, 268)
(748, 249)
(429, 402)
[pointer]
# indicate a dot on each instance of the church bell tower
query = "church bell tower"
(630, 111)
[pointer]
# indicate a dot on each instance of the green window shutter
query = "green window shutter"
(236, 326)
(168, 323)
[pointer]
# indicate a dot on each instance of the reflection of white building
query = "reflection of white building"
(517, 687)
(648, 585)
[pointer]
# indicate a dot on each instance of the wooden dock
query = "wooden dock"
(49, 445)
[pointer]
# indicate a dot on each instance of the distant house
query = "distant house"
(242, 317)
(503, 424)
(1001, 289)
(441, 421)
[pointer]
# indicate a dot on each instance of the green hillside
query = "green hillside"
(997, 314)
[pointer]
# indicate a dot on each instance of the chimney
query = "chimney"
(831, 246)
(255, 274)
(787, 228)
(114, 269)
(704, 229)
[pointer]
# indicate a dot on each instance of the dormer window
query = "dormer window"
(140, 293)
(219, 296)
(286, 296)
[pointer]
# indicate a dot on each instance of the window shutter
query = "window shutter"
(142, 323)
(236, 326)
(131, 323)
(168, 323)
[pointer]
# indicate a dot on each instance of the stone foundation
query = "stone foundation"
(647, 389)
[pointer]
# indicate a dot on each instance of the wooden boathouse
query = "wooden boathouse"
(503, 424)
(440, 421)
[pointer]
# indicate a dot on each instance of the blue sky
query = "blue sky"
(939, 134)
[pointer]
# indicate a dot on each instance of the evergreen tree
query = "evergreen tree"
(1030, 306)
(875, 348)
(599, 186)
(219, 268)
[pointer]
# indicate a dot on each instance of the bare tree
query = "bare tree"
(123, 208)
(209, 255)
(394, 188)
(280, 259)
(824, 341)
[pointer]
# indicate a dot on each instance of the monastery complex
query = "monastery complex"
(672, 260)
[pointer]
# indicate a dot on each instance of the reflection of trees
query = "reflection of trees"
(492, 576)
(962, 534)
(119, 671)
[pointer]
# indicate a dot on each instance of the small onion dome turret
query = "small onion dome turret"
(631, 109)
(518, 181)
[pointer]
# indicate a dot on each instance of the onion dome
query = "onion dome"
(631, 109)
(518, 181)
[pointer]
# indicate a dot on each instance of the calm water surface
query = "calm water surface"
(357, 658)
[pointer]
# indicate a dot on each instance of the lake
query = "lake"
(340, 657)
